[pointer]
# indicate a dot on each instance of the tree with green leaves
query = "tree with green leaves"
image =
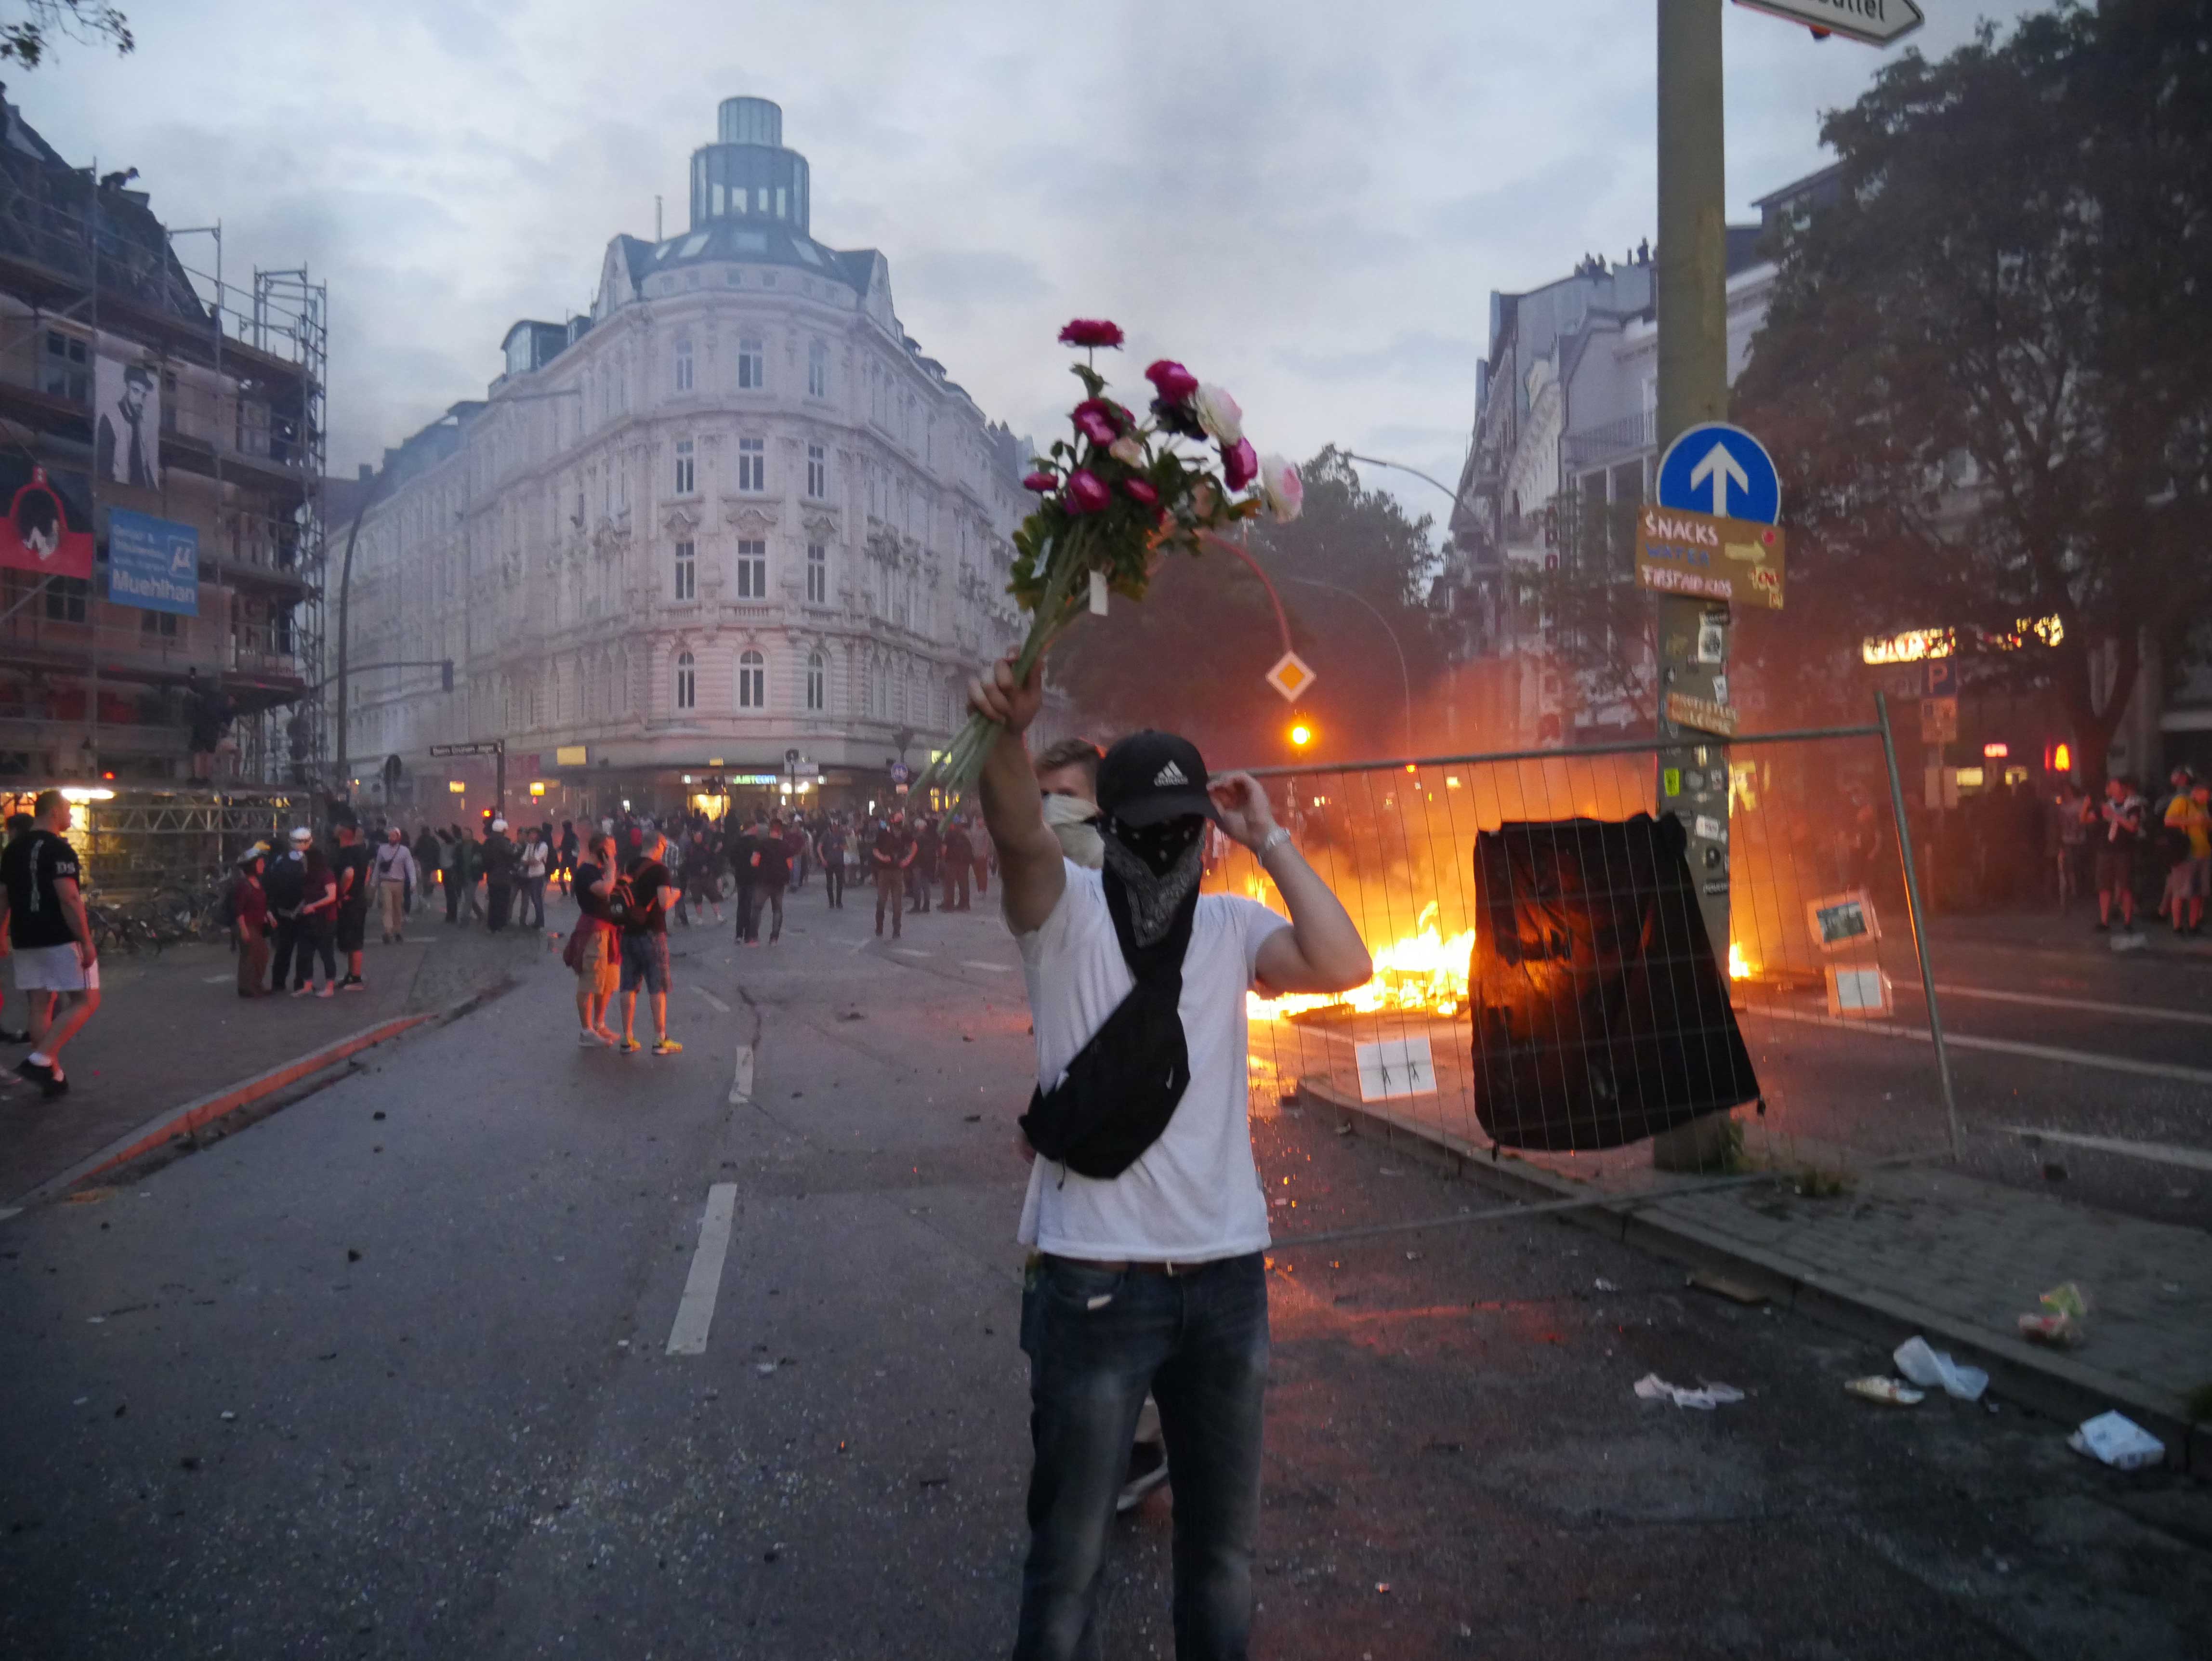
(1986, 373)
(1353, 572)
(27, 37)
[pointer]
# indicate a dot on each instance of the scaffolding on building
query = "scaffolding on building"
(189, 717)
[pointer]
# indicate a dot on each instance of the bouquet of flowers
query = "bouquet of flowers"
(1116, 498)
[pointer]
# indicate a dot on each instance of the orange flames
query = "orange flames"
(1423, 970)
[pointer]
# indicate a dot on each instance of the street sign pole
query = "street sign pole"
(1692, 308)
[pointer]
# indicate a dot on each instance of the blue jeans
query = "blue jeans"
(1097, 1339)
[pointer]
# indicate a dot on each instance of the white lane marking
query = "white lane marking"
(694, 1311)
(2000, 1046)
(2141, 1011)
(8, 1211)
(977, 963)
(2196, 1159)
(741, 1080)
(215, 980)
(712, 999)
(912, 952)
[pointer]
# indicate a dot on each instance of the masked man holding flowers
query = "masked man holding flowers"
(1144, 1209)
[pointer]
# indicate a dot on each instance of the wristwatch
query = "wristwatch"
(1275, 838)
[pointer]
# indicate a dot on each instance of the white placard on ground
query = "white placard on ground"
(1857, 991)
(1396, 1067)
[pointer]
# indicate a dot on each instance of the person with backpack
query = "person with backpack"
(642, 897)
(286, 887)
(246, 906)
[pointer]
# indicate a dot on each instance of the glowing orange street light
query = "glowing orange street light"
(1301, 735)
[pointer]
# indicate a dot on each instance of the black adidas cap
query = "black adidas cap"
(1149, 777)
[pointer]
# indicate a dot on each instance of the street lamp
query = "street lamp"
(1404, 680)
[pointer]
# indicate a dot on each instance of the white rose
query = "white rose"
(1128, 451)
(1218, 414)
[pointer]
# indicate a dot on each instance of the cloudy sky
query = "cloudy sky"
(1308, 202)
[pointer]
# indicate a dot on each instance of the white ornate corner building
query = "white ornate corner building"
(734, 514)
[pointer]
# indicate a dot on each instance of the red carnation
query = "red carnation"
(1171, 380)
(1098, 421)
(1087, 492)
(1240, 464)
(1043, 483)
(1141, 489)
(1091, 332)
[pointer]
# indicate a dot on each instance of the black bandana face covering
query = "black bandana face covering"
(1159, 867)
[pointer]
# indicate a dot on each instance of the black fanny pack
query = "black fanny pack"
(1124, 1086)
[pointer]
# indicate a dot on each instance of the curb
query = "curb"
(173, 1122)
(2048, 1381)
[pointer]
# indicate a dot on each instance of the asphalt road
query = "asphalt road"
(387, 1373)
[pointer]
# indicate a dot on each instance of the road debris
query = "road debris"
(2061, 1320)
(1736, 1291)
(1890, 1392)
(1604, 1284)
(1707, 1396)
(2115, 1439)
(1929, 1368)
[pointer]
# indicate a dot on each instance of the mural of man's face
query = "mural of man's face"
(134, 395)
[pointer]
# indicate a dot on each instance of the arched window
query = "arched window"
(687, 681)
(752, 681)
(816, 680)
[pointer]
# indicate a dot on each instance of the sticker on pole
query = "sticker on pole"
(1682, 551)
(1290, 677)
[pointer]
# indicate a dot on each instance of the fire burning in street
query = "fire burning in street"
(1422, 971)
(1739, 967)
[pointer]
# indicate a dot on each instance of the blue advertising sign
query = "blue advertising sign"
(1714, 468)
(153, 563)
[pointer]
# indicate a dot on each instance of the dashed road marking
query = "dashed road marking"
(977, 963)
(694, 1311)
(214, 980)
(741, 1078)
(912, 952)
(712, 999)
(2194, 1158)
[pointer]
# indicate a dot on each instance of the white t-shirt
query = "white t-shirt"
(1194, 1195)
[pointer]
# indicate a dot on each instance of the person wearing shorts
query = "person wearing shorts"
(651, 892)
(2121, 816)
(50, 937)
(598, 967)
(2189, 813)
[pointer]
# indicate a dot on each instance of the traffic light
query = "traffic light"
(1301, 733)
(445, 676)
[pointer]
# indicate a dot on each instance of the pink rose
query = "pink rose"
(1043, 483)
(1128, 451)
(1091, 332)
(1171, 380)
(1098, 421)
(1086, 492)
(1141, 490)
(1240, 464)
(1281, 489)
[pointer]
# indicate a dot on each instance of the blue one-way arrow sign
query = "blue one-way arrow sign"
(1716, 469)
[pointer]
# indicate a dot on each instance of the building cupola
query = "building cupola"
(747, 173)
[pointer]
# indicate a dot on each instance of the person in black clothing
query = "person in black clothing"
(566, 851)
(499, 869)
(771, 874)
(829, 848)
(427, 851)
(745, 849)
(891, 859)
(286, 885)
(649, 893)
(922, 874)
(351, 866)
(19, 826)
(956, 857)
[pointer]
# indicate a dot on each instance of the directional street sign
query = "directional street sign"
(1876, 23)
(1714, 468)
(1290, 677)
(1682, 551)
(483, 747)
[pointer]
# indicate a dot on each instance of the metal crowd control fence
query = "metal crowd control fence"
(1826, 969)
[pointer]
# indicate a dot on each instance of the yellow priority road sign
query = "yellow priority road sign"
(1290, 677)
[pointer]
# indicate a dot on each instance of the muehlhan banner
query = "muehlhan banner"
(153, 563)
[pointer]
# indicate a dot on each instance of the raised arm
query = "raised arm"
(1031, 874)
(1321, 951)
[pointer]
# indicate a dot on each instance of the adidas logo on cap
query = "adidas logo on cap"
(1168, 775)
